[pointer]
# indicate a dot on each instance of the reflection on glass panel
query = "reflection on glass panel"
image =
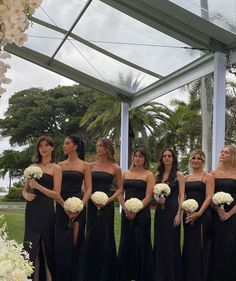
(60, 12)
(219, 12)
(42, 39)
(102, 67)
(133, 40)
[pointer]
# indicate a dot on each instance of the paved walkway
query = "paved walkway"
(12, 206)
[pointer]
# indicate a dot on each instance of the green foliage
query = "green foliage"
(56, 112)
(15, 194)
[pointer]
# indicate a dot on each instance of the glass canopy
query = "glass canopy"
(128, 48)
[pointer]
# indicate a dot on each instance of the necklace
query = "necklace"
(45, 164)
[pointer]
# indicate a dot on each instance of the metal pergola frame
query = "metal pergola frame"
(165, 16)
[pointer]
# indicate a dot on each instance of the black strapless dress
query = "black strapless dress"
(69, 256)
(100, 251)
(197, 238)
(224, 236)
(167, 252)
(135, 250)
(39, 228)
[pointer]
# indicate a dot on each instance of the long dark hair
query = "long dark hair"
(37, 158)
(161, 166)
(80, 146)
(108, 144)
(146, 156)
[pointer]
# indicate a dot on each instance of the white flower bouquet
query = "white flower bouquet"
(14, 261)
(221, 198)
(73, 204)
(161, 190)
(99, 198)
(133, 205)
(33, 172)
(190, 205)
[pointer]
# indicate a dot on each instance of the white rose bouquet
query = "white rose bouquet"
(161, 190)
(99, 198)
(73, 204)
(133, 205)
(14, 261)
(221, 198)
(190, 205)
(33, 172)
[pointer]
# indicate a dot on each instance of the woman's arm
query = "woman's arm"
(55, 192)
(119, 184)
(87, 183)
(149, 190)
(181, 180)
(27, 195)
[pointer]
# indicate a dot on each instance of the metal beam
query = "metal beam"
(124, 134)
(70, 30)
(97, 48)
(176, 22)
(65, 70)
(218, 137)
(181, 77)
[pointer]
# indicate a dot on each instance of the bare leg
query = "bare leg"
(76, 232)
(47, 272)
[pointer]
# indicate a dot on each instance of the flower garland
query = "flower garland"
(14, 20)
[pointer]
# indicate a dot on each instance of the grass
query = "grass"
(15, 223)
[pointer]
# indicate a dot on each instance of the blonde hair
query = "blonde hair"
(232, 152)
(193, 153)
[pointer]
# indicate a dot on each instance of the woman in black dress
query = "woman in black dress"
(100, 252)
(199, 185)
(135, 250)
(224, 221)
(70, 238)
(39, 212)
(167, 252)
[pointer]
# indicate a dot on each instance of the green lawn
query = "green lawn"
(15, 223)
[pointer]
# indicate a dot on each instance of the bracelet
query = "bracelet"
(43, 189)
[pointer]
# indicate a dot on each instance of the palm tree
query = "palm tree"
(105, 112)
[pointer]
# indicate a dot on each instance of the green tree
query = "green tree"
(56, 112)
(13, 162)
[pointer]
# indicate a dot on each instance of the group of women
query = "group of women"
(86, 250)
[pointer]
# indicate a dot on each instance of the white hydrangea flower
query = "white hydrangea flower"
(134, 205)
(73, 205)
(190, 205)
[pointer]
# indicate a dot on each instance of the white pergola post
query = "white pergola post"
(124, 134)
(218, 136)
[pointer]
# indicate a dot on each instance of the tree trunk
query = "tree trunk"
(206, 98)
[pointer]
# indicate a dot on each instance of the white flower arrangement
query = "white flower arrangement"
(221, 198)
(133, 205)
(161, 190)
(73, 204)
(14, 261)
(33, 172)
(190, 205)
(14, 20)
(99, 198)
